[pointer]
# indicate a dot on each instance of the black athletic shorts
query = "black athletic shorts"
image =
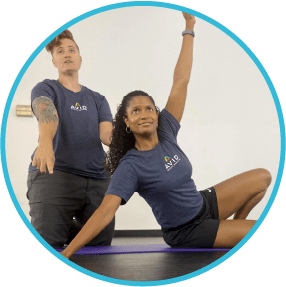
(201, 231)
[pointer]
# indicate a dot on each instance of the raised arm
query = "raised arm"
(96, 223)
(47, 116)
(182, 73)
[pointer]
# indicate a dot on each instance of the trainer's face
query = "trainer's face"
(142, 117)
(66, 57)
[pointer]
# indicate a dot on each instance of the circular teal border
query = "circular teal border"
(132, 4)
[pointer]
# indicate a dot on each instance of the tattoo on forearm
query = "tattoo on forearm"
(45, 110)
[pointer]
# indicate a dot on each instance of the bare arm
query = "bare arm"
(47, 116)
(96, 223)
(105, 132)
(182, 73)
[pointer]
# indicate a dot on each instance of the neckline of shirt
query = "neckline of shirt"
(146, 151)
(57, 81)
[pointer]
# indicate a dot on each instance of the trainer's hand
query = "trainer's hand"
(44, 157)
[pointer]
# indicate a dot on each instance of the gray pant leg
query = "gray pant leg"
(54, 200)
(94, 196)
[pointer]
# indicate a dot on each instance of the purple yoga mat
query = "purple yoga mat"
(122, 249)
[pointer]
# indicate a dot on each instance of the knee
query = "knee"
(53, 240)
(265, 178)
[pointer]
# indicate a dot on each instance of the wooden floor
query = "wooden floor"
(145, 266)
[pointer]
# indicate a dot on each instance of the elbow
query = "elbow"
(108, 209)
(182, 77)
(182, 80)
(109, 217)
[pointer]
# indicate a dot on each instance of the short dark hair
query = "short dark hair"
(57, 41)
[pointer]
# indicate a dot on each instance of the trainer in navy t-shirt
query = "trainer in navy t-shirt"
(77, 145)
(162, 176)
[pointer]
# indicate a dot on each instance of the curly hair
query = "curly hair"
(121, 140)
(57, 41)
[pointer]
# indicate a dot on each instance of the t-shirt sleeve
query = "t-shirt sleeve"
(104, 111)
(168, 126)
(124, 182)
(42, 90)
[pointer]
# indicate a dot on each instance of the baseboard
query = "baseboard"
(138, 233)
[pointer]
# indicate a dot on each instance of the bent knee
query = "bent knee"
(264, 177)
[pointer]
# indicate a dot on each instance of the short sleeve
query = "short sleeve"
(104, 112)
(42, 90)
(168, 126)
(124, 182)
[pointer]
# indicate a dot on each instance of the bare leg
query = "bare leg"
(239, 194)
(243, 212)
(230, 232)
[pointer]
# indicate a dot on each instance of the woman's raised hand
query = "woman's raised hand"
(190, 19)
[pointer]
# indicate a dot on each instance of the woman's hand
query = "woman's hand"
(64, 254)
(190, 21)
(96, 223)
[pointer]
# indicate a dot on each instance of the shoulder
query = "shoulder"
(47, 83)
(98, 97)
(168, 126)
(166, 118)
(92, 92)
(126, 170)
(47, 88)
(165, 115)
(129, 160)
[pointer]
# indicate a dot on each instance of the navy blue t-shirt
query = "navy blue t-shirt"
(77, 145)
(162, 176)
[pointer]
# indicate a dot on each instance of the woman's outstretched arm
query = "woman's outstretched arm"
(96, 223)
(182, 73)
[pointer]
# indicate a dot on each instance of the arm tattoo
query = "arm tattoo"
(45, 110)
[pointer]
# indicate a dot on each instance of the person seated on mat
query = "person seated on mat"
(144, 156)
(67, 181)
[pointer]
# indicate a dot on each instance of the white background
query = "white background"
(230, 124)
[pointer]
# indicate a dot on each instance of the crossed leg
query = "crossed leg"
(238, 196)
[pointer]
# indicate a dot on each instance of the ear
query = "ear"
(54, 62)
(125, 119)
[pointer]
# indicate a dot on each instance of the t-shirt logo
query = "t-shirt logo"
(78, 107)
(171, 162)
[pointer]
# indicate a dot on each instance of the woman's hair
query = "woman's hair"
(121, 140)
(57, 41)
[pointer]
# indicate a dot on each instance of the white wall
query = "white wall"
(230, 123)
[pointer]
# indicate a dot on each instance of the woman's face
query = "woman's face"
(142, 117)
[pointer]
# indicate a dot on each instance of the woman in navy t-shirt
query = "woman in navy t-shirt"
(144, 157)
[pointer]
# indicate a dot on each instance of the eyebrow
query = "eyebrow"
(63, 47)
(144, 106)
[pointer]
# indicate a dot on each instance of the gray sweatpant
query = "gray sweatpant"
(61, 203)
